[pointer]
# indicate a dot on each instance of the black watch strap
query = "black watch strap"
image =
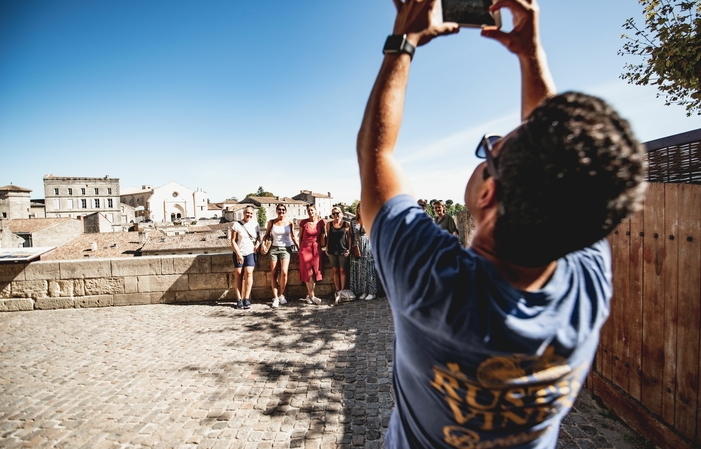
(398, 43)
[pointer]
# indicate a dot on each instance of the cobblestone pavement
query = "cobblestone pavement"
(205, 376)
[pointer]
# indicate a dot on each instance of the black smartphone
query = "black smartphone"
(470, 13)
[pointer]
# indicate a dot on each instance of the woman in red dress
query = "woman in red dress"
(312, 234)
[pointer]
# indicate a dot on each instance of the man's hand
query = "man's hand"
(523, 40)
(421, 21)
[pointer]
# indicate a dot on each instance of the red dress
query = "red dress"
(309, 251)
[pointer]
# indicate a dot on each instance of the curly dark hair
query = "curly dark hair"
(569, 175)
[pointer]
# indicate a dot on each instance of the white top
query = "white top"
(281, 235)
(246, 236)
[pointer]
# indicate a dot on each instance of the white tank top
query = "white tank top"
(281, 235)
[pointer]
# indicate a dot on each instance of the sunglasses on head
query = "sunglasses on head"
(484, 151)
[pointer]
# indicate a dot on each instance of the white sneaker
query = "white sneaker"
(369, 297)
(276, 303)
(316, 300)
(282, 299)
(363, 296)
(308, 300)
(336, 297)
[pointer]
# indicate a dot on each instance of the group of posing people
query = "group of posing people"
(346, 245)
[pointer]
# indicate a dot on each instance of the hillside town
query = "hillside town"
(88, 217)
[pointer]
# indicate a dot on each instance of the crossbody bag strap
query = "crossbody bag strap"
(248, 232)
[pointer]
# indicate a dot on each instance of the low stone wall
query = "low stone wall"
(139, 280)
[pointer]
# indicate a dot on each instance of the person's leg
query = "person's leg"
(273, 280)
(336, 279)
(247, 282)
(238, 283)
(343, 262)
(310, 288)
(282, 284)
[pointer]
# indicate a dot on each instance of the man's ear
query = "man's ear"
(488, 194)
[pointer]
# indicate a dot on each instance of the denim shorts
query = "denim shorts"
(249, 260)
(280, 252)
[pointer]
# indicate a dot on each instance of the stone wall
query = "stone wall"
(466, 226)
(139, 280)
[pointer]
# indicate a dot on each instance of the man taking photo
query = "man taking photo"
(492, 343)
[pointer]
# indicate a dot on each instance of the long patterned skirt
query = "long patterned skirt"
(362, 269)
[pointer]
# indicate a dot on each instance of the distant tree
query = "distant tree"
(233, 198)
(261, 192)
(354, 207)
(670, 45)
(262, 218)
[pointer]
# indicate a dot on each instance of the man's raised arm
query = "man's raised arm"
(381, 176)
(524, 41)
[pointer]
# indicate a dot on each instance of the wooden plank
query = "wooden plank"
(687, 417)
(604, 353)
(637, 418)
(653, 297)
(669, 275)
(634, 309)
(620, 252)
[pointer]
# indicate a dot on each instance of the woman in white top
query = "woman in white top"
(245, 239)
(282, 232)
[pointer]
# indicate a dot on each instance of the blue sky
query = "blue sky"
(231, 95)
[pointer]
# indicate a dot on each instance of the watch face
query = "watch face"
(394, 43)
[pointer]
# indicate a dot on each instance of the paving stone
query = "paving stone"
(205, 376)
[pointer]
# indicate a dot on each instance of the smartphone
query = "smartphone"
(470, 13)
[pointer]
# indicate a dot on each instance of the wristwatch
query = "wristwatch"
(397, 44)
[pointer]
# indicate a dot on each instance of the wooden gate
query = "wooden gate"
(649, 358)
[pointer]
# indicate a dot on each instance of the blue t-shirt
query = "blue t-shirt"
(477, 362)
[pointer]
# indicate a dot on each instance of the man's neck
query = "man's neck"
(523, 278)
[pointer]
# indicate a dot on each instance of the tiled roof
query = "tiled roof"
(80, 247)
(200, 241)
(210, 227)
(12, 188)
(29, 225)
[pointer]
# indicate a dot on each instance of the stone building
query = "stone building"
(41, 232)
(170, 202)
(322, 202)
(77, 196)
(14, 202)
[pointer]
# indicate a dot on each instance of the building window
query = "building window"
(110, 217)
(57, 204)
(109, 190)
(70, 204)
(84, 204)
(96, 191)
(97, 203)
(82, 191)
(109, 203)
(55, 191)
(4, 215)
(70, 191)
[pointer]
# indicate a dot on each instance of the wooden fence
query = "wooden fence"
(649, 359)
